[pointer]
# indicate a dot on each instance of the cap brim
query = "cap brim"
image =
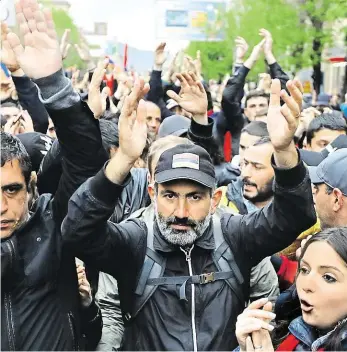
(181, 132)
(185, 174)
(311, 158)
(315, 179)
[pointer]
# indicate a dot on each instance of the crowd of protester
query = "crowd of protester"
(165, 212)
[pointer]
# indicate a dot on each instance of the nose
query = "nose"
(308, 282)
(4, 204)
(182, 209)
(246, 171)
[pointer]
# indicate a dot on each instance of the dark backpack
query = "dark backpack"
(151, 275)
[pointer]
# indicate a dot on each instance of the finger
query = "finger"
(259, 323)
(65, 37)
(189, 79)
(173, 95)
(161, 46)
(285, 111)
(15, 44)
(66, 51)
(275, 99)
(295, 91)
(261, 314)
(23, 24)
(291, 104)
(183, 81)
(47, 14)
(258, 303)
(249, 344)
(40, 21)
(141, 112)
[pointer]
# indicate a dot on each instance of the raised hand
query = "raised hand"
(132, 122)
(159, 55)
(7, 55)
(253, 58)
(38, 54)
(192, 97)
(282, 121)
(97, 99)
(255, 319)
(267, 46)
(64, 44)
(241, 49)
(83, 52)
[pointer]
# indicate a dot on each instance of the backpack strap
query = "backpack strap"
(224, 259)
(153, 267)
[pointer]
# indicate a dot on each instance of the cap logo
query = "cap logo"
(188, 160)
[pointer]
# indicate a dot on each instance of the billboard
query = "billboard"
(193, 20)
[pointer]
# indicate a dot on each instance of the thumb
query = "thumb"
(173, 95)
(275, 99)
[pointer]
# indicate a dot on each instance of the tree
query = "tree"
(64, 21)
(301, 29)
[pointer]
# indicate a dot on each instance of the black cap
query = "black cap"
(186, 162)
(315, 158)
(332, 171)
(37, 145)
(175, 125)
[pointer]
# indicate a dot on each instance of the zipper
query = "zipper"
(189, 261)
(8, 306)
(74, 340)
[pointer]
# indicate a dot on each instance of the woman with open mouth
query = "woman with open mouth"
(314, 314)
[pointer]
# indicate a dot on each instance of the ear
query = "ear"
(217, 195)
(338, 199)
(151, 190)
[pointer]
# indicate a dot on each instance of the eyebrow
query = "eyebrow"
(324, 266)
(16, 185)
(190, 194)
(253, 162)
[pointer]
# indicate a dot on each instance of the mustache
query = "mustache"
(248, 183)
(174, 220)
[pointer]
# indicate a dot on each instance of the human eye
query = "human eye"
(12, 190)
(303, 270)
(195, 197)
(169, 196)
(329, 278)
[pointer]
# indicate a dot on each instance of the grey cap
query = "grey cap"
(175, 125)
(332, 171)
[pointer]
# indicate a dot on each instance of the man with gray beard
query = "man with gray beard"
(183, 272)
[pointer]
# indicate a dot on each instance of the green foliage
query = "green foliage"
(293, 24)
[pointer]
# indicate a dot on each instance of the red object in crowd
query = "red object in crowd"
(125, 63)
(290, 343)
(227, 146)
(287, 272)
(109, 81)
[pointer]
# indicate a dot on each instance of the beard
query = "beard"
(264, 193)
(182, 238)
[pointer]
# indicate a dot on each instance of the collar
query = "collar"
(206, 241)
(308, 335)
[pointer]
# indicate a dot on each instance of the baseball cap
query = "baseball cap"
(171, 104)
(332, 171)
(315, 158)
(175, 125)
(186, 162)
(37, 145)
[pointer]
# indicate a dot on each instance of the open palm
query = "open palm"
(192, 96)
(38, 54)
(7, 55)
(282, 121)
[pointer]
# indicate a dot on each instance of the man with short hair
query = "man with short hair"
(10, 110)
(153, 119)
(256, 104)
(40, 307)
(183, 273)
(324, 129)
(330, 189)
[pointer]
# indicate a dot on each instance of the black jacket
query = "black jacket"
(164, 323)
(40, 299)
(29, 100)
(230, 118)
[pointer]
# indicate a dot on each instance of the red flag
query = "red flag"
(125, 56)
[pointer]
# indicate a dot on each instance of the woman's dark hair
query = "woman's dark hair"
(337, 239)
(13, 149)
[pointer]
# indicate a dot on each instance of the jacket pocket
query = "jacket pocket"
(72, 327)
